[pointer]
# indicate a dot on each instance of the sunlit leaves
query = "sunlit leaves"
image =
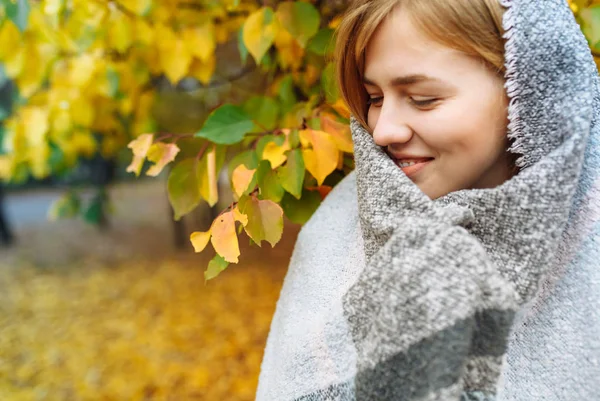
(226, 125)
(259, 32)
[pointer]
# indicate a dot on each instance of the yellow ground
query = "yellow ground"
(119, 315)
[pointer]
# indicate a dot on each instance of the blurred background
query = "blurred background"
(101, 294)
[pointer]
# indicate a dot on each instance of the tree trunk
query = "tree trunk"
(6, 236)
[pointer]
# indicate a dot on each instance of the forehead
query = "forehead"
(399, 47)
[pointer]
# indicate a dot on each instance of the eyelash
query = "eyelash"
(418, 103)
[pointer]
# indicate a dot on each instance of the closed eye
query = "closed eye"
(375, 101)
(423, 103)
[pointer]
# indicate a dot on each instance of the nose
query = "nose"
(391, 128)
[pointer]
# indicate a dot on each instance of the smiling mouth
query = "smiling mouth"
(411, 167)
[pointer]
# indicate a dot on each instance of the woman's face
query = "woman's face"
(440, 114)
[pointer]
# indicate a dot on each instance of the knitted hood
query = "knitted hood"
(431, 313)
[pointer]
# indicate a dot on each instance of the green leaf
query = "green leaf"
(287, 94)
(226, 125)
(322, 42)
(183, 188)
(2, 133)
(265, 219)
(96, 211)
(242, 46)
(591, 24)
(264, 110)
(300, 210)
(215, 267)
(329, 84)
(67, 206)
(113, 81)
(268, 182)
(300, 19)
(18, 12)
(291, 174)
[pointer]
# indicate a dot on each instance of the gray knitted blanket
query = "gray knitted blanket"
(430, 314)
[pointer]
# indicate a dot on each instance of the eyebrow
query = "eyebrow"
(405, 80)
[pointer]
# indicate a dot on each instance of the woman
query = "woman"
(460, 261)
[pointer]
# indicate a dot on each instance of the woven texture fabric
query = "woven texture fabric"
(473, 296)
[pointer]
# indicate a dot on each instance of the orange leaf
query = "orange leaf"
(340, 132)
(224, 238)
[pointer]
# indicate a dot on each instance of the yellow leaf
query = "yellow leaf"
(10, 39)
(341, 107)
(82, 111)
(203, 70)
(139, 7)
(259, 32)
(120, 35)
(14, 63)
(201, 41)
(224, 238)
(275, 154)
(38, 160)
(340, 132)
(241, 178)
(35, 125)
(239, 216)
(207, 176)
(5, 167)
(143, 32)
(322, 159)
(84, 143)
(81, 69)
(175, 60)
(139, 147)
(161, 154)
(199, 240)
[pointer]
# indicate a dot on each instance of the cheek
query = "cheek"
(372, 117)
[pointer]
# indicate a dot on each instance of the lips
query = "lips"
(411, 166)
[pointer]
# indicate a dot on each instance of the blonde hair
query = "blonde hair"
(473, 27)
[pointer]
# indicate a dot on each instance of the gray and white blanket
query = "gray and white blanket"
(490, 294)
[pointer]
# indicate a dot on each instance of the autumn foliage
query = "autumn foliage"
(88, 73)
